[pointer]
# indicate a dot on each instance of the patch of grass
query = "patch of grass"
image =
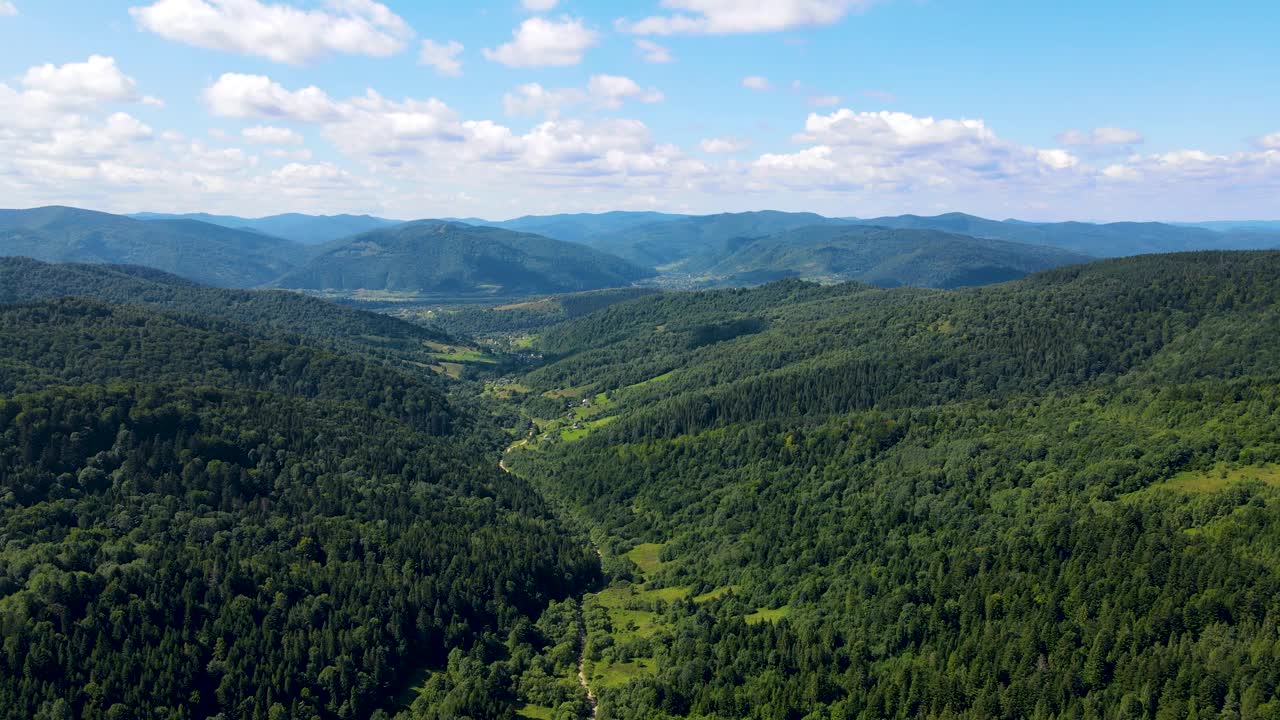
(717, 593)
(451, 369)
(645, 556)
(772, 615)
(615, 674)
(651, 381)
(545, 305)
(1216, 480)
(535, 712)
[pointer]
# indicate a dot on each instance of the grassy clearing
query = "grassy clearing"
(535, 712)
(650, 381)
(772, 615)
(645, 556)
(615, 674)
(544, 305)
(1216, 480)
(451, 369)
(716, 594)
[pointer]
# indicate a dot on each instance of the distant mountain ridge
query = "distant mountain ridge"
(884, 257)
(434, 256)
(668, 244)
(23, 280)
(1100, 240)
(210, 254)
(305, 229)
(578, 227)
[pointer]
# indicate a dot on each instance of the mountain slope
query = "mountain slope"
(1043, 498)
(1106, 240)
(305, 229)
(578, 227)
(277, 311)
(672, 242)
(198, 251)
(884, 257)
(184, 505)
(453, 258)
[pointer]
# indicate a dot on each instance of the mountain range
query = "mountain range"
(195, 250)
(455, 258)
(305, 229)
(543, 255)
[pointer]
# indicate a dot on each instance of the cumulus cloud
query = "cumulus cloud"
(277, 31)
(602, 91)
(1102, 136)
(723, 17)
(539, 42)
(93, 81)
(888, 153)
(610, 91)
(722, 145)
(269, 135)
(7, 8)
(1270, 142)
(653, 53)
(1058, 159)
(245, 96)
(756, 82)
(442, 56)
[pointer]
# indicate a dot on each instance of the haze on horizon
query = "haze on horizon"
(1150, 111)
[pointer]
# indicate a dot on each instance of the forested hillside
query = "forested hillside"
(453, 258)
(1057, 497)
(879, 256)
(1097, 239)
(262, 312)
(1053, 497)
(305, 229)
(197, 251)
(199, 520)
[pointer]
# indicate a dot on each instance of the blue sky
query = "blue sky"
(1086, 110)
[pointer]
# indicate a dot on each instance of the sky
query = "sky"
(1040, 110)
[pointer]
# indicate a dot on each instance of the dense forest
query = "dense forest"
(199, 521)
(1057, 497)
(1051, 498)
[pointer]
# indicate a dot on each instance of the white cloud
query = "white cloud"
(539, 42)
(442, 56)
(756, 82)
(83, 84)
(889, 153)
(602, 91)
(1058, 159)
(722, 145)
(814, 158)
(609, 91)
(534, 99)
(270, 135)
(244, 96)
(824, 100)
(279, 32)
(653, 53)
(1102, 136)
(538, 5)
(7, 8)
(845, 127)
(722, 17)
(1270, 142)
